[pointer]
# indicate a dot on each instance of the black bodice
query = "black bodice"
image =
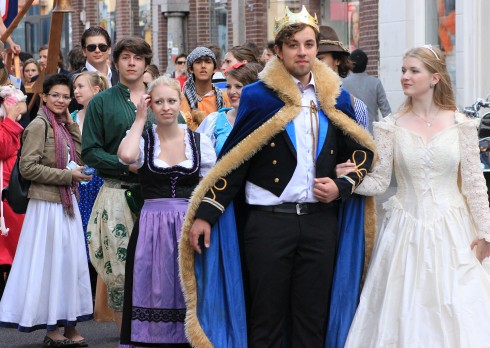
(171, 182)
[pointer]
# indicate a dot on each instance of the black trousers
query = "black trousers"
(289, 262)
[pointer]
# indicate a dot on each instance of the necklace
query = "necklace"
(428, 122)
(200, 96)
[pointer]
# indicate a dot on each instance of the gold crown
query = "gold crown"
(294, 18)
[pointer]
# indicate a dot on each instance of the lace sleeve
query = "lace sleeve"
(377, 181)
(473, 183)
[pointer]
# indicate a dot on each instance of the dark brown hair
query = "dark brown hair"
(95, 31)
(134, 45)
(246, 74)
(152, 69)
(345, 64)
(242, 53)
(287, 33)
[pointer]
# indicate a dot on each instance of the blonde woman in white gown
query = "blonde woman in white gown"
(426, 286)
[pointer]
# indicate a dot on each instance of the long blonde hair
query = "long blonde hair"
(435, 62)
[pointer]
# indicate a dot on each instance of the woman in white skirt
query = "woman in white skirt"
(49, 283)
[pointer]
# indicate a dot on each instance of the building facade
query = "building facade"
(382, 30)
(456, 26)
(175, 26)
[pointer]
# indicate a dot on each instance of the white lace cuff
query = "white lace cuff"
(377, 181)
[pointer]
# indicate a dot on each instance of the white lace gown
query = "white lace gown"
(425, 287)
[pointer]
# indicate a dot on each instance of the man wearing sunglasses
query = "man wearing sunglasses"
(180, 73)
(96, 46)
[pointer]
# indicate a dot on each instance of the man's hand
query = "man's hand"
(325, 190)
(199, 227)
(15, 47)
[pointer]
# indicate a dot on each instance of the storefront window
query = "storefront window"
(441, 30)
(219, 24)
(145, 20)
(276, 10)
(33, 31)
(107, 17)
(341, 15)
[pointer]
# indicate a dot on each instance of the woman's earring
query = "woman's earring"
(431, 85)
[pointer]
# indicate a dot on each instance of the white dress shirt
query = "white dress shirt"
(91, 68)
(300, 187)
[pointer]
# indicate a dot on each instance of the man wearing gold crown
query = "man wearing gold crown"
(263, 226)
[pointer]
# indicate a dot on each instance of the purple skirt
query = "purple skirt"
(158, 306)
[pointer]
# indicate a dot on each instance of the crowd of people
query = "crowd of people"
(223, 204)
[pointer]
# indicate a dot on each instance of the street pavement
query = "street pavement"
(97, 335)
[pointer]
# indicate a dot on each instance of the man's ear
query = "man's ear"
(278, 51)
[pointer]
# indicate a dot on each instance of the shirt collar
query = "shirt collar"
(310, 84)
(90, 67)
(124, 89)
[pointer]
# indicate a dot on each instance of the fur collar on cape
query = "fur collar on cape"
(276, 77)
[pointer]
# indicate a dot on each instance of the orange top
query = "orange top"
(206, 106)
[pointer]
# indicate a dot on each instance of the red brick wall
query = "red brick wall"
(198, 24)
(198, 32)
(369, 39)
(230, 27)
(91, 16)
(127, 17)
(256, 22)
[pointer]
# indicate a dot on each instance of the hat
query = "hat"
(329, 41)
(200, 52)
(290, 18)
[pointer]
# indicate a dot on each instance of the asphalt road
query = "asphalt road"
(97, 335)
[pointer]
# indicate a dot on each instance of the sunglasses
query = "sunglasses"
(93, 47)
(180, 62)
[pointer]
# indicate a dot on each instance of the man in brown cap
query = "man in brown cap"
(333, 52)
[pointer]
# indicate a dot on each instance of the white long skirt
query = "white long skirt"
(49, 283)
(424, 287)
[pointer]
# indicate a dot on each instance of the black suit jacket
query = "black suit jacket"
(272, 167)
(260, 151)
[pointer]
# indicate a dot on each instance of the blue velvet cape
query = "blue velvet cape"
(220, 291)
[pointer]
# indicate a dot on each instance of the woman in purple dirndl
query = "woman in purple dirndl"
(170, 161)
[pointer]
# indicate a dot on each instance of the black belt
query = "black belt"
(296, 208)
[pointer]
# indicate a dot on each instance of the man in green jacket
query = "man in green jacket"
(109, 115)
